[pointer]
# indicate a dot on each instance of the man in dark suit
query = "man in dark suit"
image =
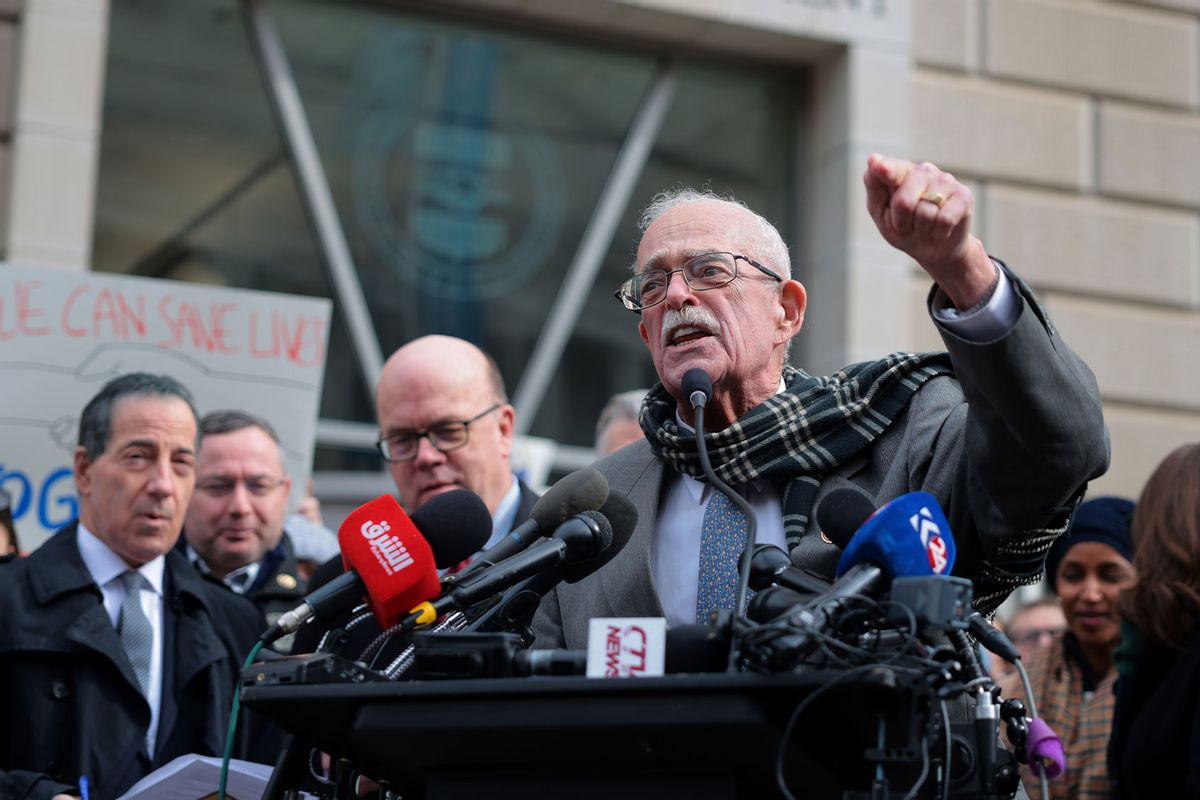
(445, 423)
(235, 527)
(115, 655)
(1005, 429)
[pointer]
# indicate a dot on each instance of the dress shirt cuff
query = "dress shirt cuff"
(988, 321)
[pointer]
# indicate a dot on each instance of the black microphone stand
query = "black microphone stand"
(698, 387)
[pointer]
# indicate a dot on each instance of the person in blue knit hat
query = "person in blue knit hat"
(1073, 679)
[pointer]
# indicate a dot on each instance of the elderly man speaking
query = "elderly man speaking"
(1004, 430)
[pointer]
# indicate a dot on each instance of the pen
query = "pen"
(83, 787)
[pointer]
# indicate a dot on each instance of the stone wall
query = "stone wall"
(1077, 123)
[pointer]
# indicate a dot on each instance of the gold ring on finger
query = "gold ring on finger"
(937, 198)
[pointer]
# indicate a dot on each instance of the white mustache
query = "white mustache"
(688, 317)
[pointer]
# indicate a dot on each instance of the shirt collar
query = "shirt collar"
(234, 578)
(105, 565)
(506, 512)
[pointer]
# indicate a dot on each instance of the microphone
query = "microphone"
(771, 565)
(386, 557)
(908, 537)
(514, 610)
(582, 490)
(579, 539)
(456, 524)
(698, 387)
(842, 512)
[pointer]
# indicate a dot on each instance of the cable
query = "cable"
(920, 781)
(233, 715)
(751, 528)
(1043, 781)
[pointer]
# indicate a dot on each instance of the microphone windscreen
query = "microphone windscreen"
(622, 517)
(696, 380)
(582, 490)
(395, 563)
(456, 524)
(908, 537)
(842, 512)
(765, 562)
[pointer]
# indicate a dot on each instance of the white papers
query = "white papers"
(194, 777)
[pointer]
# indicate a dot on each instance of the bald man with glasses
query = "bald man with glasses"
(445, 423)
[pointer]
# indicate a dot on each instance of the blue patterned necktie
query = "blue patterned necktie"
(722, 539)
(137, 637)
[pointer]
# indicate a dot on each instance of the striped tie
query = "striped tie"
(722, 539)
(137, 637)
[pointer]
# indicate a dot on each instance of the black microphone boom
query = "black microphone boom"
(582, 490)
(514, 610)
(579, 539)
(770, 565)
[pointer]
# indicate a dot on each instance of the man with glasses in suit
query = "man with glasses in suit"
(1004, 429)
(445, 423)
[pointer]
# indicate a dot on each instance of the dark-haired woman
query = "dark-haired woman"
(1155, 746)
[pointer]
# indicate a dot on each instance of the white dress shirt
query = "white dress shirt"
(506, 512)
(675, 547)
(106, 568)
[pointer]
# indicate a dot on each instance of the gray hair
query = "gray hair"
(624, 405)
(95, 423)
(768, 243)
(230, 420)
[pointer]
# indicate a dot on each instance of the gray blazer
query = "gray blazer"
(1007, 447)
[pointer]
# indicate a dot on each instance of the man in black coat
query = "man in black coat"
(115, 655)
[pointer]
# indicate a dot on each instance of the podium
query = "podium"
(703, 737)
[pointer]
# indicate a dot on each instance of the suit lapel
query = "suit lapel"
(60, 576)
(628, 581)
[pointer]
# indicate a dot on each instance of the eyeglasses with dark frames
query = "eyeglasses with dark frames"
(445, 437)
(702, 272)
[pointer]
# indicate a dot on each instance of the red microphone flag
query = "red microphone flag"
(392, 558)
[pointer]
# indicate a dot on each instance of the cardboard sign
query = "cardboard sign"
(64, 334)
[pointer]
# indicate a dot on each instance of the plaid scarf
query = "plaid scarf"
(797, 436)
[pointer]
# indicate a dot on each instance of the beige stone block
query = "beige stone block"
(1140, 355)
(1141, 438)
(1104, 48)
(53, 191)
(988, 130)
(946, 34)
(1149, 155)
(8, 61)
(60, 78)
(1096, 246)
